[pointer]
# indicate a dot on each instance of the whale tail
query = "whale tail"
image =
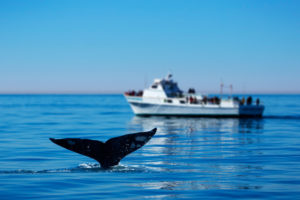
(109, 153)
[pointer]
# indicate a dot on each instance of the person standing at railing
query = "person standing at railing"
(257, 101)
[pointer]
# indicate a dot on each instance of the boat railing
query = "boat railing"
(198, 99)
(133, 93)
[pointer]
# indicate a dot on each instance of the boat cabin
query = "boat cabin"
(163, 88)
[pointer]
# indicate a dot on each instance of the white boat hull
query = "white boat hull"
(209, 110)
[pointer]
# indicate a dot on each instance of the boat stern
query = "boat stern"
(251, 110)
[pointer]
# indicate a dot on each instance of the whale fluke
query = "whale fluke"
(109, 153)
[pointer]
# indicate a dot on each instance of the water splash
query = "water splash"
(81, 168)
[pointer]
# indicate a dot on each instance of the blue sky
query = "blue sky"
(59, 46)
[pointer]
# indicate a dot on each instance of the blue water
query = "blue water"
(188, 158)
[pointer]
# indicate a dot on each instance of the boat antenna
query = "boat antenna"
(221, 88)
(169, 76)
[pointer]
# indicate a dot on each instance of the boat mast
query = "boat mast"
(221, 88)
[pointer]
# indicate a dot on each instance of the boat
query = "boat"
(164, 98)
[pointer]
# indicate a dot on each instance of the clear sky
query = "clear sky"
(80, 46)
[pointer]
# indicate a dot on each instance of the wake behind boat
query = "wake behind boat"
(165, 98)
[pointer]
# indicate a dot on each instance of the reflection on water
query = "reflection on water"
(189, 125)
(205, 153)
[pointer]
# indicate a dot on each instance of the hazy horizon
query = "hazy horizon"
(122, 92)
(113, 46)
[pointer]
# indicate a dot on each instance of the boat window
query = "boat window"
(182, 102)
(154, 86)
(168, 101)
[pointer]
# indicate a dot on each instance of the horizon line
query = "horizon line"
(120, 93)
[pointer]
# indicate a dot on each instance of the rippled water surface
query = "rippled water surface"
(189, 158)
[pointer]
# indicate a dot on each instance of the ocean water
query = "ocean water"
(188, 158)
